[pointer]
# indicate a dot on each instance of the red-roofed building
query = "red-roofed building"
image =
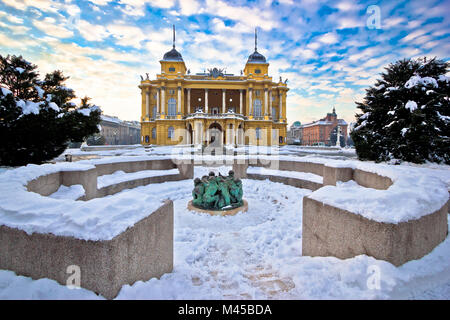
(323, 131)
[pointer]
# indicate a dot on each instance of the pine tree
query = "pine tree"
(406, 115)
(37, 117)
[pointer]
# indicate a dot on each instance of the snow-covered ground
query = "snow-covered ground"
(255, 255)
(332, 152)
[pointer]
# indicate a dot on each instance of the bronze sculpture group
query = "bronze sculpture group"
(217, 192)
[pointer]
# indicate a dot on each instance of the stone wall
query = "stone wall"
(330, 231)
(141, 252)
(48, 184)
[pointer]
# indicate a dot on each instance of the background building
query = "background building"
(116, 131)
(324, 131)
(213, 107)
(295, 133)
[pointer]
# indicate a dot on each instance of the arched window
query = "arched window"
(154, 133)
(258, 133)
(257, 108)
(172, 107)
(170, 132)
(147, 140)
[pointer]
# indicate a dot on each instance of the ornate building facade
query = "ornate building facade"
(324, 131)
(213, 107)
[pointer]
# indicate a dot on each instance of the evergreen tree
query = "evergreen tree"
(37, 117)
(406, 115)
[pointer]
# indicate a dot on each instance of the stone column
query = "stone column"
(281, 106)
(223, 100)
(163, 100)
(179, 100)
(158, 110)
(270, 103)
(266, 98)
(250, 107)
(147, 103)
(206, 100)
(188, 101)
(240, 101)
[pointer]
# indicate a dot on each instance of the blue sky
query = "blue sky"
(326, 49)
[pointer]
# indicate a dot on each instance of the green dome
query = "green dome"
(297, 124)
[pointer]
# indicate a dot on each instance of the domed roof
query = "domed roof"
(173, 55)
(256, 57)
(296, 124)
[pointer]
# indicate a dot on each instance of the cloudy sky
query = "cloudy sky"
(329, 51)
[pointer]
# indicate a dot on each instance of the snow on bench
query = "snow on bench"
(120, 176)
(289, 174)
(73, 192)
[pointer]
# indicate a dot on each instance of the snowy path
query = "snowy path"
(255, 255)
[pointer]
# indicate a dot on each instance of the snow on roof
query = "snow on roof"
(323, 123)
(111, 119)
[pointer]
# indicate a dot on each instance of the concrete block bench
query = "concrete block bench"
(42, 245)
(140, 253)
(346, 227)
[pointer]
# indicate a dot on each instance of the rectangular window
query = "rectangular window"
(171, 69)
(257, 71)
(171, 91)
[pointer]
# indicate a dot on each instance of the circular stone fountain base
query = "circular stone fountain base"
(230, 212)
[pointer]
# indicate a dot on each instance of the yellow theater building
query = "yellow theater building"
(213, 107)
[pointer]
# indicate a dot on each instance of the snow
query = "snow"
(444, 118)
(408, 198)
(411, 105)
(255, 255)
(29, 106)
(5, 91)
(87, 111)
(72, 192)
(54, 106)
(362, 125)
(40, 91)
(289, 174)
(404, 130)
(85, 219)
(415, 193)
(365, 116)
(444, 78)
(417, 80)
(120, 176)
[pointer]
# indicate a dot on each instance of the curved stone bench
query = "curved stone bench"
(332, 230)
(143, 251)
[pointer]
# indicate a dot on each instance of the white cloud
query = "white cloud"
(328, 38)
(92, 32)
(127, 35)
(248, 16)
(189, 7)
(137, 7)
(52, 28)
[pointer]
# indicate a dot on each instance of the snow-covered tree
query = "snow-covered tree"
(37, 117)
(406, 115)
